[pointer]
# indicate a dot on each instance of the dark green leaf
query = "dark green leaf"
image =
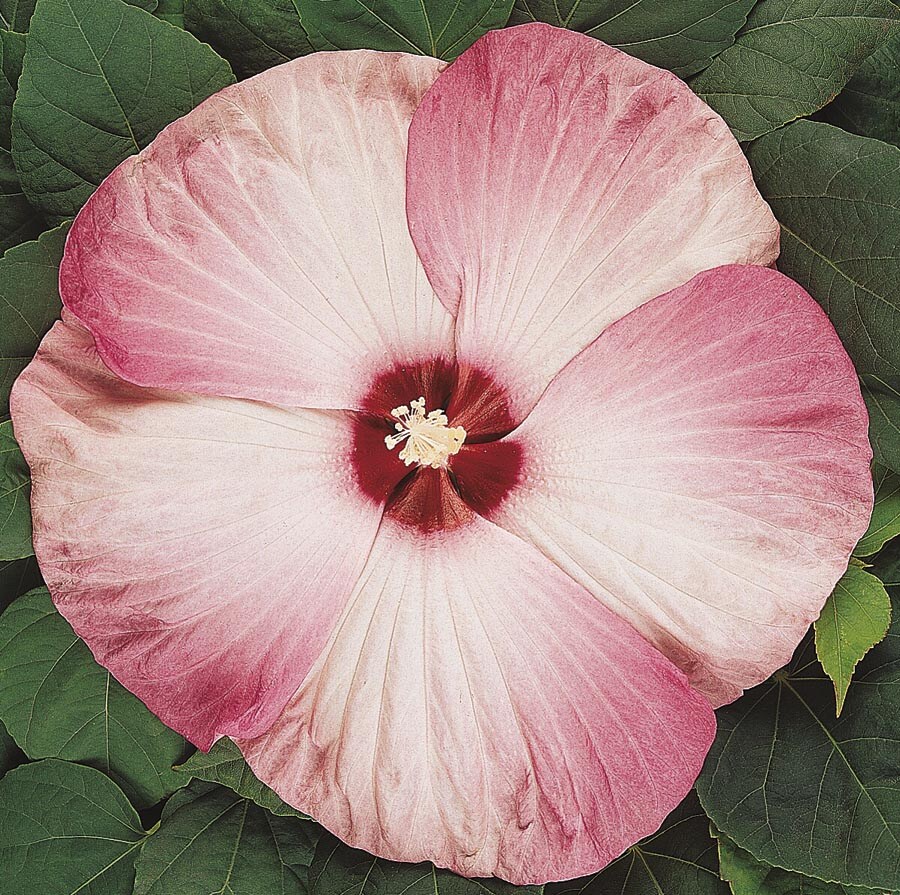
(882, 394)
(337, 868)
(10, 754)
(17, 577)
(887, 567)
(15, 15)
(678, 860)
(15, 498)
(171, 11)
(870, 103)
(747, 876)
(837, 197)
(225, 765)
(29, 303)
(791, 58)
(18, 220)
(252, 35)
(683, 37)
(221, 843)
(855, 617)
(885, 522)
(440, 28)
(65, 829)
(787, 781)
(57, 702)
(100, 80)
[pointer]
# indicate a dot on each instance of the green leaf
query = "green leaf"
(225, 765)
(15, 15)
(683, 37)
(171, 11)
(10, 754)
(15, 498)
(678, 860)
(440, 28)
(18, 220)
(100, 80)
(29, 303)
(837, 198)
(252, 35)
(17, 577)
(65, 829)
(870, 103)
(787, 780)
(854, 618)
(887, 567)
(882, 394)
(885, 522)
(747, 876)
(57, 702)
(791, 58)
(220, 843)
(337, 868)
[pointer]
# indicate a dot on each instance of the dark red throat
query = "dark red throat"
(477, 480)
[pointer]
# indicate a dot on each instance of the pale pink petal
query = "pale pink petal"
(556, 183)
(259, 247)
(703, 470)
(202, 546)
(477, 708)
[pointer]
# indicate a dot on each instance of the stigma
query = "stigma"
(429, 440)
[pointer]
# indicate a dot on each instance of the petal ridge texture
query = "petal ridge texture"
(703, 469)
(477, 708)
(556, 183)
(182, 537)
(268, 223)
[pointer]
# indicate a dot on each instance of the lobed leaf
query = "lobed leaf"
(57, 702)
(252, 35)
(224, 764)
(855, 617)
(65, 829)
(790, 59)
(786, 780)
(15, 498)
(747, 876)
(870, 103)
(837, 198)
(29, 303)
(882, 395)
(16, 577)
(682, 37)
(885, 522)
(218, 842)
(100, 80)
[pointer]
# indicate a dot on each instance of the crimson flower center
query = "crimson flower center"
(429, 443)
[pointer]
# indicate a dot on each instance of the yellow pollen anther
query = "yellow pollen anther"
(429, 440)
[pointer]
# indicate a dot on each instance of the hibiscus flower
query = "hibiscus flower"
(443, 435)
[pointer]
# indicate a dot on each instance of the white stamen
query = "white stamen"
(429, 440)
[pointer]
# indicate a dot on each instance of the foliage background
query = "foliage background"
(801, 791)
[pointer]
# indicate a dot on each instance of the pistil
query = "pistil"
(430, 441)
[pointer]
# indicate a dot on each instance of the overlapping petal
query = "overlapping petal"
(478, 708)
(556, 183)
(202, 546)
(259, 246)
(703, 470)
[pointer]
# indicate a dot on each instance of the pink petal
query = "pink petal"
(477, 708)
(703, 470)
(203, 547)
(555, 184)
(259, 247)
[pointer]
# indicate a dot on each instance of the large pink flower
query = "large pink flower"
(491, 636)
